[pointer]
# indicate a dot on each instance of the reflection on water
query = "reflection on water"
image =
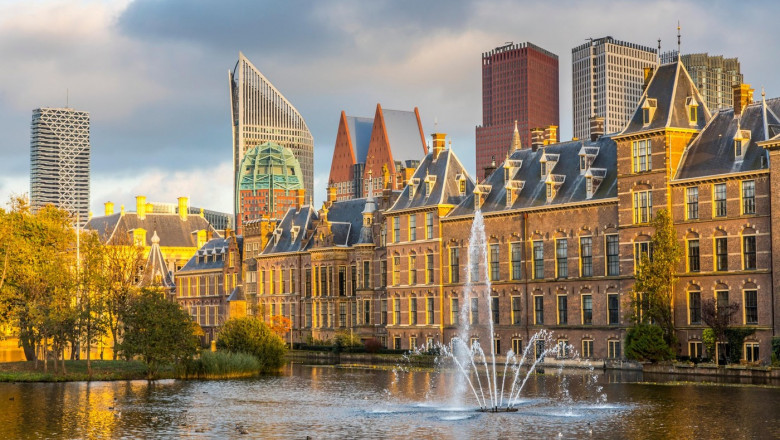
(332, 402)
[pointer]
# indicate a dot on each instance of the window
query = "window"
(412, 311)
(494, 272)
(692, 202)
(429, 310)
(396, 311)
(749, 252)
(587, 348)
(722, 302)
(412, 342)
(383, 311)
(396, 270)
(692, 114)
(751, 307)
(429, 268)
(412, 227)
(586, 257)
(517, 346)
(613, 309)
(474, 311)
(307, 311)
(563, 348)
(563, 310)
(429, 225)
(720, 199)
(561, 258)
(748, 197)
(645, 116)
(412, 270)
(396, 229)
(613, 349)
(367, 312)
(587, 309)
(642, 249)
(693, 255)
(538, 260)
(643, 207)
(367, 274)
(454, 311)
(640, 154)
(613, 260)
(516, 310)
(516, 251)
(694, 307)
(539, 350)
(343, 315)
(751, 352)
(695, 349)
(454, 265)
(538, 310)
(721, 254)
(397, 343)
(494, 309)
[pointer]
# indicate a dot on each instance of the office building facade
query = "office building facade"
(713, 75)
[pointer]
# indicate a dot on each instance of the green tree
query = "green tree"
(93, 285)
(252, 336)
(653, 290)
(718, 318)
(645, 342)
(158, 331)
(123, 261)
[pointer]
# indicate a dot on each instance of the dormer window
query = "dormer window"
(741, 141)
(480, 195)
(583, 163)
(692, 106)
(553, 184)
(294, 232)
(587, 156)
(648, 110)
(589, 186)
(510, 168)
(277, 235)
(430, 181)
(513, 188)
(593, 178)
(547, 163)
(461, 184)
(543, 169)
(413, 187)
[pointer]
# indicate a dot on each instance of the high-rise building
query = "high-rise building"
(519, 85)
(607, 80)
(261, 114)
(713, 75)
(59, 160)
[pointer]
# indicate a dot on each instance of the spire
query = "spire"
(516, 139)
(763, 109)
(155, 239)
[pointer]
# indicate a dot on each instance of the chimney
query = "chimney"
(183, 208)
(648, 76)
(438, 144)
(109, 208)
(121, 209)
(550, 134)
(490, 168)
(331, 194)
(743, 95)
(140, 207)
(537, 138)
(596, 128)
(301, 198)
(229, 233)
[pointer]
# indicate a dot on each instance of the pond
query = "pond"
(361, 402)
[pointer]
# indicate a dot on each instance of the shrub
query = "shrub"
(252, 336)
(221, 364)
(645, 342)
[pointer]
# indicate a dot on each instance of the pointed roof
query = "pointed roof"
(156, 273)
(516, 145)
(396, 138)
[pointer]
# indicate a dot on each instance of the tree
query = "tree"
(280, 325)
(717, 317)
(252, 336)
(655, 278)
(158, 331)
(123, 260)
(645, 342)
(91, 294)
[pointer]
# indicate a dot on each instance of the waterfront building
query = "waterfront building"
(713, 75)
(392, 142)
(59, 161)
(519, 89)
(607, 80)
(260, 114)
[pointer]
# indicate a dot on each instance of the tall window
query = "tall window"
(563, 310)
(587, 309)
(587, 348)
(429, 310)
(367, 312)
(643, 207)
(412, 311)
(517, 346)
(748, 197)
(382, 273)
(383, 311)
(396, 229)
(538, 260)
(412, 227)
(367, 274)
(721, 254)
(722, 302)
(516, 251)
(751, 307)
(719, 198)
(454, 311)
(429, 268)
(429, 225)
(613, 260)
(692, 202)
(396, 270)
(749, 252)
(613, 309)
(494, 272)
(474, 311)
(586, 256)
(412, 270)
(494, 309)
(694, 307)
(538, 310)
(516, 310)
(343, 315)
(561, 258)
(640, 152)
(613, 349)
(454, 265)
(642, 249)
(343, 280)
(397, 311)
(693, 255)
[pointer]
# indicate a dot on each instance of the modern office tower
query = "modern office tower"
(59, 161)
(607, 80)
(713, 75)
(261, 114)
(519, 85)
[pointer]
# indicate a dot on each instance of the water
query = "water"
(327, 402)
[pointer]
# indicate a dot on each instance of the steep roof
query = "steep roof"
(156, 273)
(171, 229)
(284, 240)
(211, 256)
(405, 135)
(346, 218)
(712, 152)
(360, 133)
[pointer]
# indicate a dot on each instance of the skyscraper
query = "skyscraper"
(259, 114)
(713, 75)
(607, 80)
(519, 83)
(59, 160)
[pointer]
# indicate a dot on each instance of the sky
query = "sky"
(154, 73)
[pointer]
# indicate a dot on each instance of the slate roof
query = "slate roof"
(215, 251)
(712, 152)
(446, 169)
(403, 135)
(173, 232)
(360, 132)
(155, 272)
(670, 86)
(284, 241)
(346, 219)
(567, 168)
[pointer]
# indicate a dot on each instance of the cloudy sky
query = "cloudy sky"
(153, 73)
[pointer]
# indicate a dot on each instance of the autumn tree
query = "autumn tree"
(123, 260)
(92, 294)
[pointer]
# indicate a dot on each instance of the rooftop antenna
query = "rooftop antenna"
(659, 51)
(678, 41)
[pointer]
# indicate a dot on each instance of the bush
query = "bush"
(252, 336)
(645, 342)
(221, 364)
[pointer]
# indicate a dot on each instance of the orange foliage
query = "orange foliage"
(280, 325)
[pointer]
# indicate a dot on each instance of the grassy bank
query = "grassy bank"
(222, 365)
(77, 371)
